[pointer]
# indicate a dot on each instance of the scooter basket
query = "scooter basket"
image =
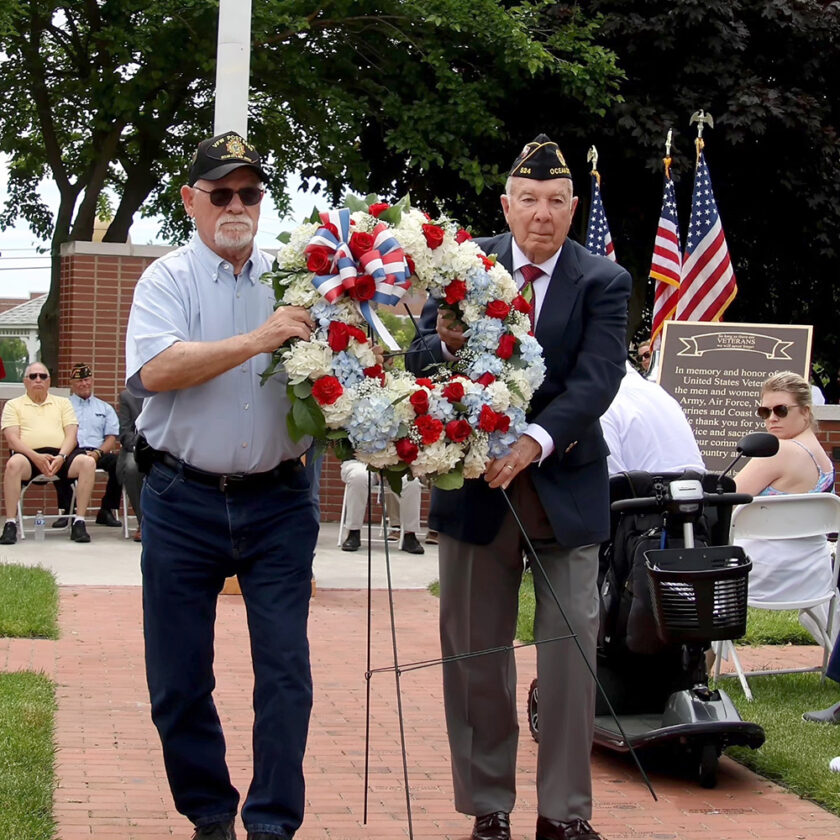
(699, 594)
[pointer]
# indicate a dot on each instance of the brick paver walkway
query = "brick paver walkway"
(111, 782)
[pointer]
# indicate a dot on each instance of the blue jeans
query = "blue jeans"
(833, 668)
(194, 536)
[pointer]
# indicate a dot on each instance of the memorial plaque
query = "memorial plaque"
(715, 370)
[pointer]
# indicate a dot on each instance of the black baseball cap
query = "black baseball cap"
(218, 156)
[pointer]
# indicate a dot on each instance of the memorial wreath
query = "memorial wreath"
(340, 265)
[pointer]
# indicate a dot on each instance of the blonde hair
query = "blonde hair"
(788, 382)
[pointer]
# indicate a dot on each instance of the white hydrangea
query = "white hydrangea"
(308, 360)
(337, 414)
(477, 457)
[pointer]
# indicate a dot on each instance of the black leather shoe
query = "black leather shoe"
(215, 831)
(106, 517)
(61, 522)
(78, 532)
(411, 544)
(829, 715)
(9, 535)
(353, 541)
(573, 830)
(495, 826)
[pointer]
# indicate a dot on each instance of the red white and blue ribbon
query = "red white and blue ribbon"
(385, 263)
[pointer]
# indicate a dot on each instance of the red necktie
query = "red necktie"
(529, 274)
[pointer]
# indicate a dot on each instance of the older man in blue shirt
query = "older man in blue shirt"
(97, 438)
(225, 494)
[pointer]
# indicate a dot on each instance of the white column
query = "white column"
(233, 66)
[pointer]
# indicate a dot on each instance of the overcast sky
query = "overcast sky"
(23, 270)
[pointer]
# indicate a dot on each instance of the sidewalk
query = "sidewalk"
(111, 782)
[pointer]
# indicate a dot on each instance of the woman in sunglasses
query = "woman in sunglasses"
(795, 569)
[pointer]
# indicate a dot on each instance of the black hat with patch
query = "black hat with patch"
(541, 160)
(81, 371)
(220, 155)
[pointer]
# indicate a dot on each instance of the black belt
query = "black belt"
(231, 481)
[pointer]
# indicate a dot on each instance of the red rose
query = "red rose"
(376, 209)
(407, 450)
(462, 236)
(420, 401)
(338, 336)
(424, 381)
(455, 291)
(319, 259)
(498, 309)
(454, 392)
(364, 289)
(358, 334)
(326, 390)
(430, 429)
(360, 243)
(434, 236)
(375, 372)
(521, 305)
(331, 228)
(487, 419)
(458, 430)
(410, 264)
(506, 344)
(486, 379)
(502, 423)
(488, 264)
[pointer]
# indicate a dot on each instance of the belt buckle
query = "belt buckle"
(225, 481)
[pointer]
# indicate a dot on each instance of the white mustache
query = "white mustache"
(233, 219)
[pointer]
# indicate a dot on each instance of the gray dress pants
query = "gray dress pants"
(478, 609)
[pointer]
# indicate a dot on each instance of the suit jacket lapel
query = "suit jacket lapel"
(563, 289)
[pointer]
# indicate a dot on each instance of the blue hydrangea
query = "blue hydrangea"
(485, 363)
(479, 287)
(373, 423)
(347, 369)
(499, 443)
(323, 312)
(441, 408)
(530, 350)
(485, 334)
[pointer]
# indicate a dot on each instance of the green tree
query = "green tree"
(384, 95)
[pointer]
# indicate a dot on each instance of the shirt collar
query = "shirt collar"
(210, 260)
(519, 259)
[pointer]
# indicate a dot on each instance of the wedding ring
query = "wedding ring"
(508, 467)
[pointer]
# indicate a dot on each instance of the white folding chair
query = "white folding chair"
(782, 518)
(43, 479)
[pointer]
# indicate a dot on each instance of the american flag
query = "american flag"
(598, 239)
(666, 263)
(707, 284)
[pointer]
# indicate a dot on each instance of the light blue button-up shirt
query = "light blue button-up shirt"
(96, 419)
(230, 424)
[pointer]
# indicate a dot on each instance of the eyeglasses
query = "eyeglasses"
(222, 196)
(779, 410)
(644, 356)
(34, 376)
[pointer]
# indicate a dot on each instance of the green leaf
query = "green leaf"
(371, 198)
(394, 477)
(343, 450)
(284, 237)
(314, 216)
(302, 389)
(392, 215)
(453, 480)
(308, 419)
(354, 203)
(271, 369)
(337, 434)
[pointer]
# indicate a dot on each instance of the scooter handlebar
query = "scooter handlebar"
(652, 503)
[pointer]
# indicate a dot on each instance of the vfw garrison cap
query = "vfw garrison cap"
(541, 160)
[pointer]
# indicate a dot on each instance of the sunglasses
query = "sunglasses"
(644, 356)
(34, 376)
(222, 196)
(779, 410)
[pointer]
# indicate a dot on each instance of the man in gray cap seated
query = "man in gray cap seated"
(225, 494)
(556, 478)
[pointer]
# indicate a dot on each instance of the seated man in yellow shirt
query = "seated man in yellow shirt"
(41, 431)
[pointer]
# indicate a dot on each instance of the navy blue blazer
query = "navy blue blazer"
(582, 330)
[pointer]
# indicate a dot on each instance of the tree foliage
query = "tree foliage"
(371, 94)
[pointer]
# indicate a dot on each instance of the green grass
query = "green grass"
(27, 706)
(796, 753)
(28, 602)
(782, 627)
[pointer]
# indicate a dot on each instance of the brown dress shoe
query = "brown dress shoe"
(495, 826)
(138, 535)
(573, 830)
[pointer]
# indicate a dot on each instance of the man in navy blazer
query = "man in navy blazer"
(556, 478)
